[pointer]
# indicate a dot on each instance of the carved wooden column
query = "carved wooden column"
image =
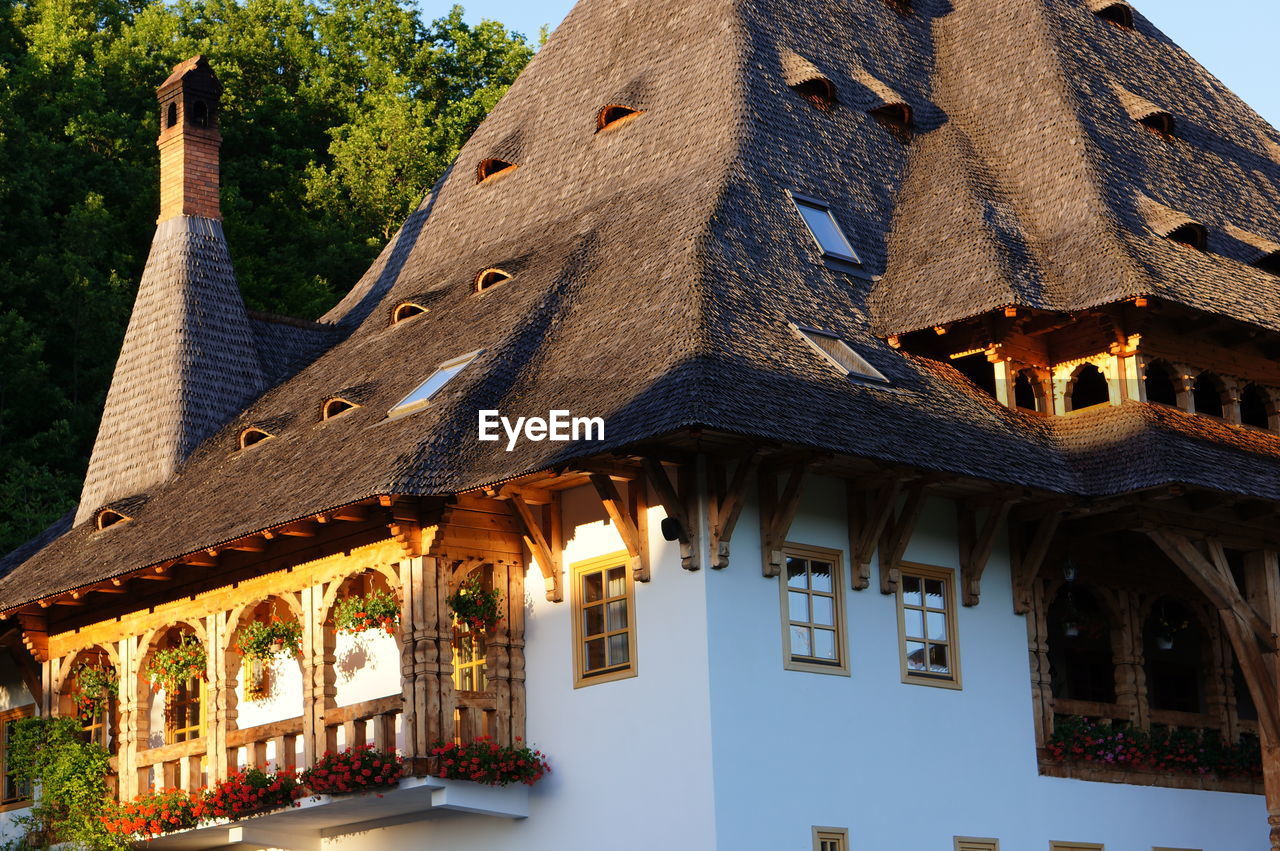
(1126, 649)
(515, 639)
(1038, 648)
(1262, 581)
(498, 658)
(319, 688)
(127, 721)
(220, 694)
(426, 654)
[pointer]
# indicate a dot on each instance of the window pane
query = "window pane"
(825, 230)
(824, 611)
(592, 587)
(593, 620)
(913, 622)
(619, 653)
(465, 680)
(797, 573)
(617, 582)
(824, 643)
(595, 654)
(933, 593)
(617, 615)
(938, 659)
(820, 576)
(798, 605)
(915, 655)
(800, 645)
(911, 591)
(937, 626)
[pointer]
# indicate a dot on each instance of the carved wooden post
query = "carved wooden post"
(1038, 647)
(426, 664)
(498, 656)
(318, 656)
(127, 707)
(220, 694)
(1262, 579)
(1126, 647)
(515, 632)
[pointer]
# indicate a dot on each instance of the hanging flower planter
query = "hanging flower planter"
(173, 666)
(479, 609)
(375, 610)
(96, 687)
(266, 641)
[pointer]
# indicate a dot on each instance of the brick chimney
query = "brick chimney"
(189, 141)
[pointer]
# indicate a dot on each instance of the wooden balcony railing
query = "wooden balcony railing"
(276, 746)
(372, 722)
(180, 765)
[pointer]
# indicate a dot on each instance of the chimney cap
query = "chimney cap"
(198, 66)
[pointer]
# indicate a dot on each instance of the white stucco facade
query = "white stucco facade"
(714, 745)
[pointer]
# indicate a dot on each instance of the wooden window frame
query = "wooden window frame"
(830, 834)
(789, 661)
(477, 664)
(597, 565)
(171, 731)
(8, 715)
(972, 843)
(1168, 848)
(1075, 846)
(948, 577)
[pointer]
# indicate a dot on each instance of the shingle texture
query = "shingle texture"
(657, 267)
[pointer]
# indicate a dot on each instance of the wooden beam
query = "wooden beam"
(614, 469)
(199, 560)
(976, 545)
(249, 545)
(301, 529)
(1214, 580)
(867, 523)
(777, 513)
(1028, 561)
(552, 575)
(676, 509)
(619, 512)
(350, 513)
(896, 536)
(726, 506)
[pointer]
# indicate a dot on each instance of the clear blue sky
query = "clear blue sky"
(1234, 39)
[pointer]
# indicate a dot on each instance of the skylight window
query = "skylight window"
(825, 230)
(838, 353)
(422, 394)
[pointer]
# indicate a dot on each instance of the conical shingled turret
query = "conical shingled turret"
(189, 362)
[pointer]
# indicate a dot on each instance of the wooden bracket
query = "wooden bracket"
(1215, 581)
(897, 534)
(1027, 562)
(548, 557)
(867, 524)
(976, 545)
(777, 513)
(677, 509)
(725, 506)
(625, 521)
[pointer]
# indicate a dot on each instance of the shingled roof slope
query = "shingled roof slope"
(188, 364)
(658, 268)
(1046, 104)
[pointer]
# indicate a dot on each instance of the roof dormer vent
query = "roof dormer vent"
(493, 167)
(253, 436)
(614, 115)
(804, 78)
(896, 118)
(491, 278)
(406, 310)
(335, 406)
(1269, 263)
(109, 517)
(1191, 234)
(1113, 12)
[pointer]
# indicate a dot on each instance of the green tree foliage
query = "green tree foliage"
(336, 117)
(51, 754)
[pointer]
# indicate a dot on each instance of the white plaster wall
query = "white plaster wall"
(367, 666)
(282, 702)
(905, 766)
(631, 759)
